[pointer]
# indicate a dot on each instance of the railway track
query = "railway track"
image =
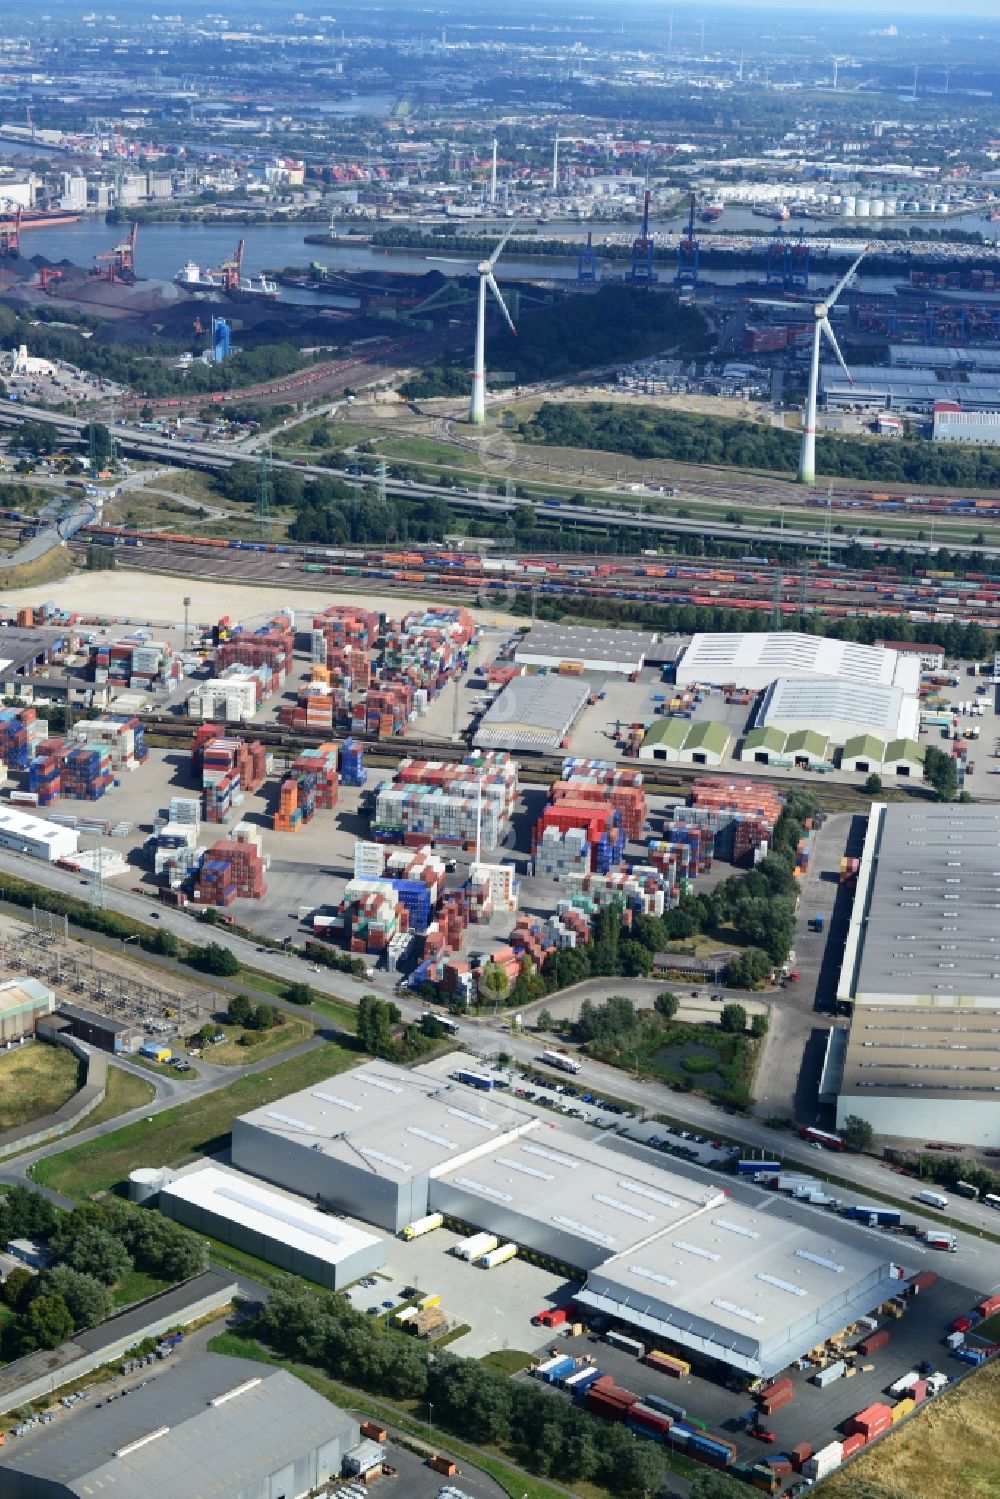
(171, 731)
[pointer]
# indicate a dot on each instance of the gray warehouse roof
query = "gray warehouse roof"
(398, 1122)
(585, 643)
(861, 705)
(908, 389)
(532, 713)
(931, 934)
(212, 1425)
(750, 1288)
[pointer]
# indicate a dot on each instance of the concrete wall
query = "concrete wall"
(83, 1102)
(161, 1318)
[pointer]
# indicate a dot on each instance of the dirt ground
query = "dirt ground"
(155, 598)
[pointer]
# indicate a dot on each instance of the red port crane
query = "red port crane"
(120, 259)
(10, 236)
(232, 270)
(47, 275)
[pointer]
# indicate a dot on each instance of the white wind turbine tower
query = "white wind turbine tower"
(477, 402)
(821, 327)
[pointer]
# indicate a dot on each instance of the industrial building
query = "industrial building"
(23, 1003)
(229, 1427)
(98, 1030)
(921, 970)
(660, 1251)
(275, 1226)
(952, 424)
(590, 649)
(680, 742)
(754, 661)
(878, 388)
(837, 710)
(533, 713)
(36, 838)
(368, 1143)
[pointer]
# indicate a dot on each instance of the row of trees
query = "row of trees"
(546, 1436)
(646, 432)
(91, 1250)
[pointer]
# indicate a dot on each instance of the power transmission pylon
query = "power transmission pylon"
(776, 603)
(264, 489)
(97, 896)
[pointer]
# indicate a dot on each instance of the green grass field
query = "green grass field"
(124, 1092)
(264, 1043)
(198, 1127)
(35, 1080)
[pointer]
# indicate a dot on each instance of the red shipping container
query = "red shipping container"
(988, 1306)
(773, 1386)
(923, 1280)
(918, 1392)
(799, 1454)
(851, 1445)
(873, 1342)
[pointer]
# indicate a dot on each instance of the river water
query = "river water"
(163, 248)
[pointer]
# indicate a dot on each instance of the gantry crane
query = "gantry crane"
(688, 252)
(10, 236)
(120, 259)
(641, 272)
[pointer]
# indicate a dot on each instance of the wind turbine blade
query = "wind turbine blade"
(447, 260)
(831, 340)
(499, 249)
(845, 279)
(503, 306)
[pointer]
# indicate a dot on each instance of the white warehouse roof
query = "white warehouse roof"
(757, 660)
(272, 1214)
(23, 833)
(840, 709)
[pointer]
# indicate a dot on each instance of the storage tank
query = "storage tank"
(849, 206)
(878, 208)
(864, 207)
(891, 207)
(146, 1182)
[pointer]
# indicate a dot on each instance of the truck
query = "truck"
(423, 1225)
(480, 1080)
(758, 1168)
(561, 1060)
(932, 1199)
(821, 1137)
(498, 1256)
(816, 922)
(874, 1217)
(936, 1238)
(474, 1248)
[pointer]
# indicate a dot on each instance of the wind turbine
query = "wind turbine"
(477, 402)
(821, 327)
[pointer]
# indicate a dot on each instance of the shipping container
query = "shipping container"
(627, 1344)
(829, 1375)
(873, 1342)
(423, 1225)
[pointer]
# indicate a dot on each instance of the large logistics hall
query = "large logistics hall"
(921, 969)
(756, 660)
(657, 1250)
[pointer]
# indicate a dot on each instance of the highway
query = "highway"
(215, 456)
(491, 1035)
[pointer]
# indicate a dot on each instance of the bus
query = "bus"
(561, 1060)
(966, 1189)
(822, 1137)
(991, 1200)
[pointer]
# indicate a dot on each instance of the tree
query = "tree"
(216, 959)
(99, 441)
(494, 983)
(18, 1288)
(240, 1009)
(873, 784)
(375, 1020)
(940, 773)
(95, 1251)
(47, 1322)
(299, 993)
(758, 1025)
(733, 1019)
(544, 1021)
(749, 969)
(87, 1300)
(666, 1004)
(858, 1133)
(636, 960)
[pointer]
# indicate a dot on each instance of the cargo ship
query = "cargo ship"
(711, 212)
(772, 211)
(228, 279)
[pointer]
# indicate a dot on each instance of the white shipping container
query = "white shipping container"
(475, 1247)
(498, 1256)
(905, 1383)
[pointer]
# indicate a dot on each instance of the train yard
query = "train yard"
(750, 585)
